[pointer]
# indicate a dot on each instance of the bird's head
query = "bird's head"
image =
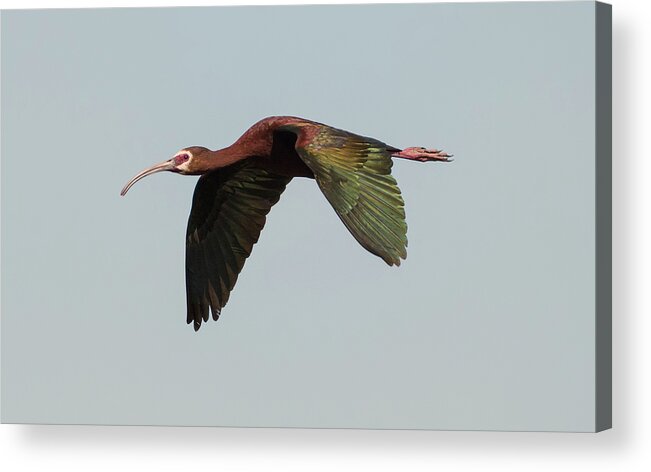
(188, 161)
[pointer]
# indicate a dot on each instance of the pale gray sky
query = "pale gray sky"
(489, 324)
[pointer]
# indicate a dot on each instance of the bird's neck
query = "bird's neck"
(224, 157)
(235, 152)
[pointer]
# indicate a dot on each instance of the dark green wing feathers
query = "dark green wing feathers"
(230, 206)
(354, 174)
(229, 210)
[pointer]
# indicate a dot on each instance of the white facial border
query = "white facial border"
(184, 167)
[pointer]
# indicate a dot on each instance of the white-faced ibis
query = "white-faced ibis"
(239, 185)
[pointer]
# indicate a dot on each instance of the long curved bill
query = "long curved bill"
(167, 165)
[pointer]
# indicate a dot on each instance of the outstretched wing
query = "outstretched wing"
(354, 173)
(229, 210)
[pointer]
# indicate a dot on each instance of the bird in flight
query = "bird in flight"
(240, 183)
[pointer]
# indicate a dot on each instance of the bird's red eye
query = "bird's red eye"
(181, 158)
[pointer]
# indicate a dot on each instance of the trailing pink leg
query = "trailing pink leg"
(423, 155)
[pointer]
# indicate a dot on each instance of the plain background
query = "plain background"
(489, 323)
(623, 447)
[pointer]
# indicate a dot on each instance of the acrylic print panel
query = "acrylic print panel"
(497, 320)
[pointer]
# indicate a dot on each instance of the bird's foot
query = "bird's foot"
(423, 155)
